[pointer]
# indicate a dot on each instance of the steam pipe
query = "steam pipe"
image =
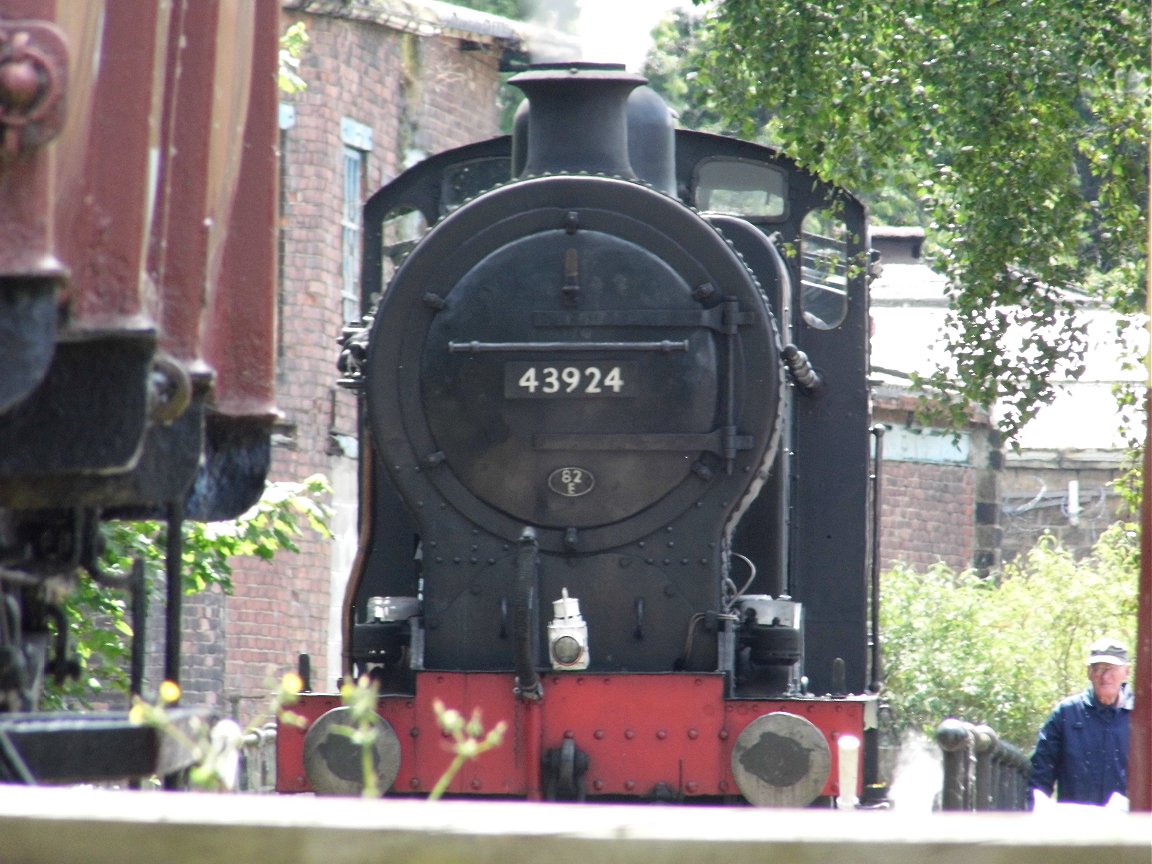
(878, 461)
(363, 548)
(801, 369)
(524, 617)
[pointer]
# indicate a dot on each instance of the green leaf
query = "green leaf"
(1014, 133)
(97, 618)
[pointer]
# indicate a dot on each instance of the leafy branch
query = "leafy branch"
(469, 741)
(293, 43)
(1003, 650)
(1018, 129)
(215, 750)
(98, 619)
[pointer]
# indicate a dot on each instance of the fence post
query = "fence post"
(981, 772)
(955, 739)
(987, 763)
(258, 760)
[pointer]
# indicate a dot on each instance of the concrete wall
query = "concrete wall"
(70, 826)
(1072, 495)
(975, 502)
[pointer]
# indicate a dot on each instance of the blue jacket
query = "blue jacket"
(1082, 750)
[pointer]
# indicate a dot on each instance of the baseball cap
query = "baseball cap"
(1108, 651)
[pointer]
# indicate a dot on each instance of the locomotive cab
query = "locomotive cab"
(616, 458)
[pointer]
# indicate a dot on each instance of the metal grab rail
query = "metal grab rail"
(981, 772)
(257, 764)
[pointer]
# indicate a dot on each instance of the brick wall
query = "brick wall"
(1071, 495)
(926, 514)
(940, 492)
(980, 507)
(417, 95)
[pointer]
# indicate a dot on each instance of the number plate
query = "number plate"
(543, 380)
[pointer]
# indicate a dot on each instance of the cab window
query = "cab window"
(824, 269)
(739, 187)
(399, 232)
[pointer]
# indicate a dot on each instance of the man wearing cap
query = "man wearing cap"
(1082, 751)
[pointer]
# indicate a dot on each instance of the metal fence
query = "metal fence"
(257, 770)
(981, 772)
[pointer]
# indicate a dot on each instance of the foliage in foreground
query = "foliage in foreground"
(98, 618)
(1004, 651)
(215, 750)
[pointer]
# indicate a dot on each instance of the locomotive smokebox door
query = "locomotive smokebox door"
(558, 417)
(553, 358)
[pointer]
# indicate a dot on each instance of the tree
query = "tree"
(293, 43)
(97, 618)
(1004, 651)
(679, 46)
(1020, 125)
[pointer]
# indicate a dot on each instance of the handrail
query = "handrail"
(981, 772)
(257, 764)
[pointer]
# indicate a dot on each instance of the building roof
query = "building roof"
(435, 18)
(909, 306)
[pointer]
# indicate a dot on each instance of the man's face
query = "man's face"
(1106, 679)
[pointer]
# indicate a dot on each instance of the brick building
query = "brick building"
(388, 81)
(961, 497)
(939, 489)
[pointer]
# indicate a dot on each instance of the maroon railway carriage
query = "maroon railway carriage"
(138, 195)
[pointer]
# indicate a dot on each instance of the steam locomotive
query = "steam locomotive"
(138, 201)
(615, 467)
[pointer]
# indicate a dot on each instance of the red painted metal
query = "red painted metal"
(208, 68)
(241, 338)
(34, 84)
(290, 775)
(1140, 739)
(645, 731)
(31, 48)
(107, 163)
(533, 735)
(146, 201)
(833, 717)
(640, 732)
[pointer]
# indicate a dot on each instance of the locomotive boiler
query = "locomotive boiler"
(615, 466)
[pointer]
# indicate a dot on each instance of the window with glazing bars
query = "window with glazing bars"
(350, 232)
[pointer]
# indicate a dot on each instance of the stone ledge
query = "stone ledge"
(61, 826)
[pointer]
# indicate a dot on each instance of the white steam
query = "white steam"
(918, 776)
(609, 31)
